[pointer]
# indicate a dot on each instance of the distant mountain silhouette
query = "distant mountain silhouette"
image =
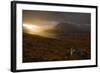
(64, 29)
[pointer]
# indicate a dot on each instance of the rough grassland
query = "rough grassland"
(40, 49)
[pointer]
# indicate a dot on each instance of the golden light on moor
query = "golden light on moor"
(39, 30)
(56, 36)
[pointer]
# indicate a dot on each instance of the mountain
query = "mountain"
(64, 29)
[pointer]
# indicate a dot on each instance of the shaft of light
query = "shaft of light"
(38, 30)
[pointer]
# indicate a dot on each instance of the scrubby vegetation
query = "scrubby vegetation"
(72, 47)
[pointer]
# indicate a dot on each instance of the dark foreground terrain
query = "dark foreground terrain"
(39, 49)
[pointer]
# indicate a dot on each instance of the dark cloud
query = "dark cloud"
(72, 17)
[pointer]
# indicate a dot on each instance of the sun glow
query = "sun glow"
(38, 30)
(33, 28)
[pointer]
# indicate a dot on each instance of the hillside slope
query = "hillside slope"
(37, 48)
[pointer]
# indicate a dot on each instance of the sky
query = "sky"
(46, 21)
(35, 16)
